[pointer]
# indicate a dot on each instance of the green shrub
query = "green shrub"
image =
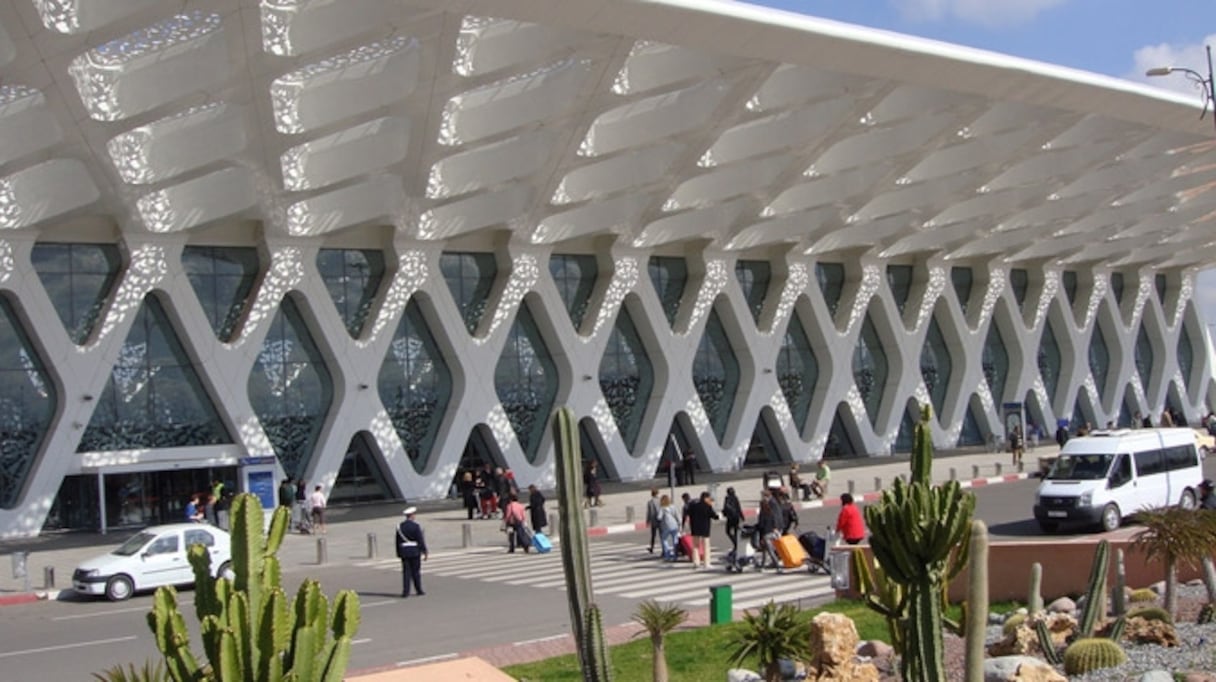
(1085, 655)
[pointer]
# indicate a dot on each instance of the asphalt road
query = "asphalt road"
(475, 598)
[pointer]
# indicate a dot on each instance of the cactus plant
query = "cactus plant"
(883, 595)
(917, 534)
(977, 602)
(1095, 591)
(1046, 643)
(585, 619)
(1012, 622)
(1151, 613)
(1089, 654)
(1118, 594)
(1207, 614)
(1034, 598)
(249, 630)
(1142, 594)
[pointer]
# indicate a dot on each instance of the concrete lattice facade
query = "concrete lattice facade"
(622, 131)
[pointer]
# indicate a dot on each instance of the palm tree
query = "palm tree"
(773, 634)
(1174, 535)
(659, 619)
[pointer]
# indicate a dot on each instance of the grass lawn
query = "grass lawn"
(701, 653)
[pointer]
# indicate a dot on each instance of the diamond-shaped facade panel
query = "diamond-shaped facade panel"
(78, 278)
(27, 407)
(626, 377)
(415, 386)
(526, 381)
(715, 373)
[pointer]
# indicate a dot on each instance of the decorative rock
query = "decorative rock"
(1024, 639)
(996, 618)
(1023, 610)
(1012, 668)
(1038, 671)
(1158, 587)
(834, 641)
(1156, 676)
(1062, 605)
(875, 648)
(1195, 582)
(741, 675)
(1197, 677)
(1141, 631)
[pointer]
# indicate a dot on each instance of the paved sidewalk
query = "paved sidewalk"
(353, 530)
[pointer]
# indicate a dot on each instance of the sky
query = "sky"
(1120, 38)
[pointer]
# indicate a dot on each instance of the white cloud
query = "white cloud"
(1191, 56)
(990, 13)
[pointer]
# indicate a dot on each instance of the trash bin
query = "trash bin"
(720, 609)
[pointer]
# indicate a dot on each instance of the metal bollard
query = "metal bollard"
(878, 483)
(998, 468)
(852, 486)
(322, 552)
(553, 524)
(48, 577)
(629, 514)
(466, 535)
(371, 546)
(1021, 467)
(593, 518)
(953, 474)
(975, 471)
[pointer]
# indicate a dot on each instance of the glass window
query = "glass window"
(1081, 467)
(1099, 359)
(415, 386)
(831, 282)
(223, 280)
(797, 371)
(360, 478)
(899, 279)
(715, 374)
(1149, 462)
(1069, 279)
(971, 433)
(198, 536)
(1159, 282)
(470, 277)
(27, 405)
(907, 428)
(626, 378)
(1116, 286)
(669, 276)
(1181, 457)
(1144, 358)
(1186, 355)
(1048, 359)
(840, 441)
(352, 277)
(290, 389)
(526, 382)
(754, 277)
(575, 280)
(870, 368)
(961, 278)
(166, 544)
(1019, 279)
(153, 398)
(935, 365)
(78, 278)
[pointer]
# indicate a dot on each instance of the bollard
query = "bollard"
(953, 474)
(852, 486)
(466, 535)
(1021, 468)
(48, 577)
(998, 468)
(878, 484)
(371, 546)
(975, 471)
(322, 552)
(593, 518)
(629, 514)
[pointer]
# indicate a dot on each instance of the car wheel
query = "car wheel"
(1049, 526)
(119, 588)
(1111, 517)
(225, 571)
(1188, 499)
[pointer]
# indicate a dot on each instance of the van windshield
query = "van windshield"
(1080, 467)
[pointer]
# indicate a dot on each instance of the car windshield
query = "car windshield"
(1080, 467)
(133, 545)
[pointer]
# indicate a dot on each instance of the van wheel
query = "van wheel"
(1111, 517)
(119, 588)
(1049, 526)
(1188, 500)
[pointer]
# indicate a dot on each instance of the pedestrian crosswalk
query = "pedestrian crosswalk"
(625, 570)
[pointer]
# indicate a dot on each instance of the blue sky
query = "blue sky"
(1118, 38)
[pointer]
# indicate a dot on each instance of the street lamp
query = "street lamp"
(1206, 85)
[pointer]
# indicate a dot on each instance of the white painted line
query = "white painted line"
(60, 647)
(372, 604)
(364, 640)
(550, 638)
(111, 612)
(428, 659)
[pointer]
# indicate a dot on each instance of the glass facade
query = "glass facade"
(360, 478)
(1099, 359)
(899, 279)
(715, 374)
(1186, 356)
(962, 280)
(290, 389)
(153, 398)
(470, 278)
(1019, 280)
(971, 433)
(935, 365)
(526, 382)
(626, 378)
(575, 279)
(1048, 359)
(27, 405)
(78, 279)
(839, 443)
(797, 371)
(870, 368)
(907, 428)
(415, 386)
(1116, 286)
(995, 363)
(352, 277)
(223, 279)
(1069, 279)
(830, 277)
(1144, 358)
(669, 276)
(754, 277)
(1160, 283)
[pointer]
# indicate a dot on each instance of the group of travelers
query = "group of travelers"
(485, 491)
(307, 509)
(210, 507)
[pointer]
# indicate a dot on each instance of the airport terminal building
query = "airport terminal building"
(370, 242)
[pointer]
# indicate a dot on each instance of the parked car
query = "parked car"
(153, 557)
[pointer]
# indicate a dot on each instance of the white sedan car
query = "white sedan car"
(155, 556)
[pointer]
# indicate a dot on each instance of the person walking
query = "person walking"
(193, 513)
(411, 549)
(849, 525)
(468, 493)
(652, 517)
(669, 528)
(732, 512)
(1017, 444)
(690, 467)
(301, 507)
(701, 516)
(591, 485)
(286, 493)
(536, 509)
(768, 529)
(316, 504)
(513, 524)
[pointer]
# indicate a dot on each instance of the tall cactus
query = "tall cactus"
(918, 534)
(249, 629)
(585, 617)
(922, 448)
(977, 602)
(1034, 599)
(1118, 594)
(1095, 592)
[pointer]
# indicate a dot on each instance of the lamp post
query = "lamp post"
(1206, 85)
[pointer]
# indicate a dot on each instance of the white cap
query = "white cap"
(410, 511)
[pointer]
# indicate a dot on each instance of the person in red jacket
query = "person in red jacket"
(849, 524)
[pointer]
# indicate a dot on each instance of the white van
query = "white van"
(1101, 478)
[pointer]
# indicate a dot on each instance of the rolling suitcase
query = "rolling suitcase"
(685, 546)
(541, 543)
(790, 551)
